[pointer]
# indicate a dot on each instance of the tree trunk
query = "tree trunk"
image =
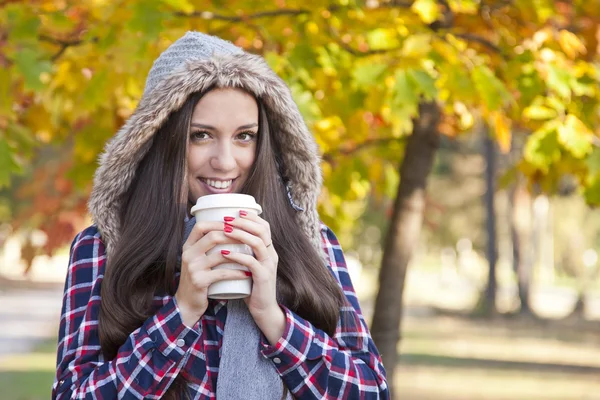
(403, 233)
(489, 300)
(521, 226)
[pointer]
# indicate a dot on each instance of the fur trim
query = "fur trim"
(127, 148)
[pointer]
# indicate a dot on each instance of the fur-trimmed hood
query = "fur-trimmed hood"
(124, 152)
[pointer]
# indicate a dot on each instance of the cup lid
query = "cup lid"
(226, 200)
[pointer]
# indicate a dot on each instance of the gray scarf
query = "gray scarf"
(243, 372)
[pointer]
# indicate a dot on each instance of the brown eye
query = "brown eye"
(199, 135)
(247, 136)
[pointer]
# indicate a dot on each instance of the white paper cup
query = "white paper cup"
(215, 207)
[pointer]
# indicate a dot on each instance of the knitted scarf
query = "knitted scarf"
(244, 373)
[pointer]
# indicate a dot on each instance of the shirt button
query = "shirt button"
(180, 342)
(277, 360)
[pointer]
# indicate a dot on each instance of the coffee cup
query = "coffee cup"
(215, 207)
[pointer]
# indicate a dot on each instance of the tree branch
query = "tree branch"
(344, 151)
(64, 44)
(478, 39)
(50, 39)
(355, 52)
(208, 15)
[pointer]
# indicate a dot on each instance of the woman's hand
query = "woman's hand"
(196, 270)
(255, 232)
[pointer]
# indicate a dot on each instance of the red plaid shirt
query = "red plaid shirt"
(312, 364)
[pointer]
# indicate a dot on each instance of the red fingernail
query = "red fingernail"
(228, 219)
(225, 252)
(228, 228)
(247, 273)
(243, 213)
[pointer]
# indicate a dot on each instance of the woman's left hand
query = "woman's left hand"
(255, 232)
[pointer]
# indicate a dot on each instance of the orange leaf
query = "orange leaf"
(501, 126)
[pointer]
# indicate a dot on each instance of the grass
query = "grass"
(29, 376)
(457, 358)
(428, 382)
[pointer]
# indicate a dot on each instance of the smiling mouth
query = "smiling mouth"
(217, 184)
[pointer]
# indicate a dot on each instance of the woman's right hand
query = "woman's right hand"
(196, 270)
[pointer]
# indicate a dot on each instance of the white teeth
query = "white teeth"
(218, 184)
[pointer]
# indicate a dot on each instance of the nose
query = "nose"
(223, 158)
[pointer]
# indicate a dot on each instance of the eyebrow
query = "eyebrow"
(210, 127)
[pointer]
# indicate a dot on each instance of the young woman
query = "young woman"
(136, 321)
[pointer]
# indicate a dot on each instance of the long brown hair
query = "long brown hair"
(145, 260)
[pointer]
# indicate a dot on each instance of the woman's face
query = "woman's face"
(222, 142)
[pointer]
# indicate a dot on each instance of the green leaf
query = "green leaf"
(404, 104)
(425, 84)
(491, 90)
(275, 61)
(593, 161)
(356, 99)
(23, 23)
(107, 36)
(405, 92)
(582, 89)
(326, 61)
(391, 180)
(367, 75)
(458, 84)
(147, 19)
(22, 138)
(575, 136)
(8, 166)
(94, 94)
(30, 64)
(306, 103)
(559, 79)
(542, 148)
(529, 86)
(592, 191)
(60, 23)
(304, 55)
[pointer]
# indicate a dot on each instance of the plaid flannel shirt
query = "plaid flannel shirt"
(312, 364)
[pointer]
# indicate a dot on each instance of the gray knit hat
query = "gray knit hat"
(196, 63)
(192, 46)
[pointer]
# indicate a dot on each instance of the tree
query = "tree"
(522, 238)
(488, 305)
(404, 227)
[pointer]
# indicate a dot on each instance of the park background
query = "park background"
(460, 152)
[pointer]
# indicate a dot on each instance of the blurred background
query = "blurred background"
(460, 148)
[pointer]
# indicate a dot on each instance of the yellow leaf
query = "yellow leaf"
(324, 124)
(501, 126)
(180, 5)
(417, 45)
(446, 50)
(575, 136)
(428, 10)
(571, 44)
(312, 27)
